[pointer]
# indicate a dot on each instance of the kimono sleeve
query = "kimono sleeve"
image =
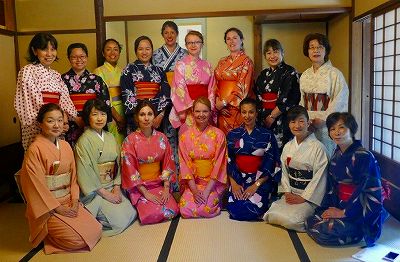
(289, 91)
(74, 182)
(128, 91)
(218, 172)
(104, 94)
(244, 83)
(285, 184)
(270, 161)
(164, 96)
(117, 179)
(168, 164)
(186, 164)
(65, 100)
(129, 165)
(179, 93)
(233, 170)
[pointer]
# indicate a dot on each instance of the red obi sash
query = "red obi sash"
(80, 99)
(197, 90)
(269, 100)
(50, 97)
(146, 90)
(248, 164)
(345, 191)
(225, 88)
(316, 102)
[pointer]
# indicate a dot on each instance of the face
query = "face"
(273, 57)
(194, 45)
(249, 114)
(299, 126)
(144, 51)
(340, 134)
(66, 124)
(233, 42)
(111, 52)
(145, 117)
(316, 52)
(53, 123)
(97, 119)
(201, 114)
(46, 56)
(78, 59)
(169, 35)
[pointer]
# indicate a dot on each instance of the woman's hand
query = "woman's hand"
(182, 115)
(66, 211)
(333, 212)
(198, 197)
(317, 123)
(219, 104)
(268, 121)
(165, 195)
(293, 199)
(249, 192)
(75, 206)
(157, 121)
(225, 112)
(153, 198)
(110, 196)
(237, 190)
(117, 192)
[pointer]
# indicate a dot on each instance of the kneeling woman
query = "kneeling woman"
(48, 179)
(148, 168)
(202, 157)
(253, 157)
(97, 161)
(352, 208)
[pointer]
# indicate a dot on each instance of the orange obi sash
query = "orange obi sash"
(50, 97)
(269, 100)
(150, 171)
(146, 90)
(345, 191)
(225, 88)
(115, 93)
(316, 102)
(106, 172)
(197, 90)
(203, 168)
(170, 77)
(59, 185)
(80, 99)
(248, 164)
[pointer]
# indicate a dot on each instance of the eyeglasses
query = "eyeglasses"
(194, 43)
(76, 58)
(316, 48)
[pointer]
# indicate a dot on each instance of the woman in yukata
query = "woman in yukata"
(323, 87)
(277, 90)
(110, 72)
(82, 86)
(352, 208)
(193, 78)
(234, 76)
(303, 174)
(148, 169)
(98, 168)
(202, 156)
(48, 179)
(252, 166)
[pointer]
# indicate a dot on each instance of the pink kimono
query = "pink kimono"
(148, 162)
(202, 156)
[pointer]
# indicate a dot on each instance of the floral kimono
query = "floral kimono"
(163, 58)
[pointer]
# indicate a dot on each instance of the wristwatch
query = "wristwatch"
(224, 103)
(258, 183)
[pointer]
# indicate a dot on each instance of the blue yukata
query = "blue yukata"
(261, 150)
(354, 185)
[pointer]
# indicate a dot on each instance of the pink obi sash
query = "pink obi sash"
(248, 164)
(345, 191)
(146, 90)
(269, 100)
(225, 88)
(80, 99)
(316, 102)
(50, 97)
(197, 90)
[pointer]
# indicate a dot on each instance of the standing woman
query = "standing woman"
(142, 80)
(234, 75)
(110, 72)
(193, 78)
(277, 90)
(82, 86)
(323, 87)
(38, 84)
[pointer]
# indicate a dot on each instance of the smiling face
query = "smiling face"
(169, 35)
(145, 117)
(316, 52)
(194, 45)
(341, 134)
(52, 124)
(273, 57)
(249, 114)
(78, 59)
(299, 127)
(201, 114)
(111, 53)
(233, 42)
(144, 51)
(46, 56)
(97, 119)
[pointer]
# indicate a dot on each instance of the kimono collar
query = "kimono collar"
(177, 47)
(200, 131)
(192, 59)
(41, 67)
(240, 53)
(138, 62)
(353, 147)
(110, 66)
(140, 132)
(72, 73)
(41, 137)
(256, 128)
(324, 66)
(281, 65)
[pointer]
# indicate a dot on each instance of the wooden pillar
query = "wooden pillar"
(100, 29)
(257, 48)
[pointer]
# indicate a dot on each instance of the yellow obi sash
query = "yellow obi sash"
(170, 77)
(225, 88)
(203, 168)
(150, 171)
(146, 90)
(115, 93)
(59, 185)
(80, 99)
(106, 172)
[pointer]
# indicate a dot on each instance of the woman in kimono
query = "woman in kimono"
(82, 86)
(193, 78)
(202, 156)
(252, 165)
(142, 80)
(352, 208)
(234, 76)
(110, 72)
(277, 90)
(303, 175)
(38, 84)
(48, 180)
(323, 87)
(148, 169)
(98, 169)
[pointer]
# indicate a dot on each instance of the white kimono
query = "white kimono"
(304, 168)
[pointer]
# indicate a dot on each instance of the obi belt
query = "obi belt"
(80, 99)
(150, 171)
(316, 102)
(203, 169)
(59, 185)
(115, 93)
(299, 179)
(106, 171)
(345, 191)
(269, 100)
(50, 97)
(225, 88)
(146, 90)
(197, 90)
(248, 164)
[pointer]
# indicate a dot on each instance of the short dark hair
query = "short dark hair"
(170, 24)
(322, 40)
(348, 120)
(237, 30)
(77, 45)
(140, 39)
(47, 108)
(99, 105)
(248, 101)
(40, 41)
(274, 44)
(295, 112)
(111, 40)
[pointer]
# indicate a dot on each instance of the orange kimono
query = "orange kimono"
(48, 180)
